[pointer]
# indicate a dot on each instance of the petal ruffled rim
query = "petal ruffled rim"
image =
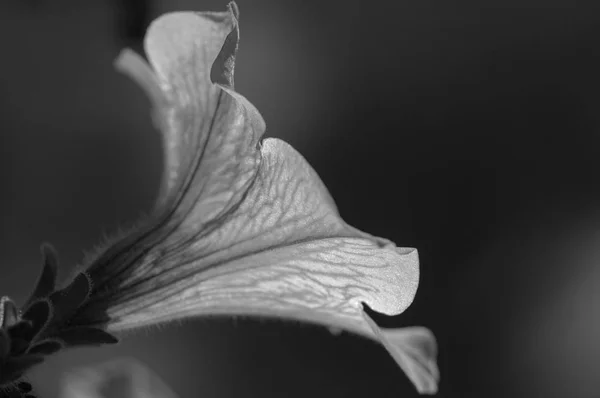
(210, 132)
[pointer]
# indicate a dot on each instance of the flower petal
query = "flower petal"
(323, 281)
(283, 252)
(210, 135)
(124, 377)
(287, 217)
(244, 228)
(415, 351)
(286, 203)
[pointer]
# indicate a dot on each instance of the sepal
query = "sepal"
(87, 336)
(9, 313)
(46, 283)
(47, 324)
(66, 301)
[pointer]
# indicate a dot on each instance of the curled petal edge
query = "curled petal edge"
(415, 350)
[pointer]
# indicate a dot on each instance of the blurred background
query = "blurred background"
(467, 129)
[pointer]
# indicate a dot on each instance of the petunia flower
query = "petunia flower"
(240, 226)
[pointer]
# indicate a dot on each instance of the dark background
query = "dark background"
(467, 129)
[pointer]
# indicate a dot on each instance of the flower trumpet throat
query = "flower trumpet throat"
(241, 225)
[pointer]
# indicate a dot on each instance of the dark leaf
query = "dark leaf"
(67, 300)
(4, 345)
(14, 367)
(24, 362)
(23, 328)
(47, 280)
(46, 347)
(85, 336)
(18, 346)
(91, 314)
(20, 335)
(24, 386)
(39, 313)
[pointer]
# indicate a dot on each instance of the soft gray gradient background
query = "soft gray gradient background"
(467, 129)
